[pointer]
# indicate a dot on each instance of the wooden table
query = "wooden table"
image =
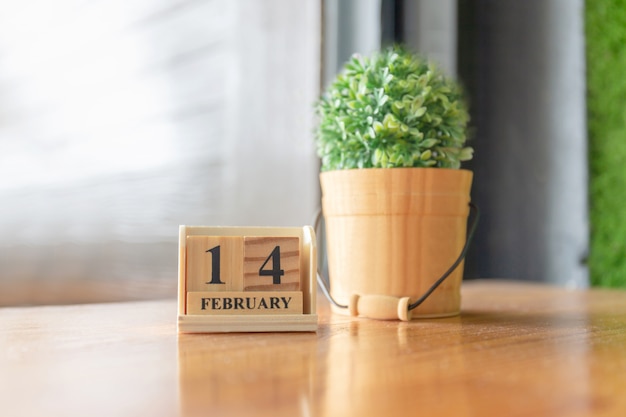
(516, 350)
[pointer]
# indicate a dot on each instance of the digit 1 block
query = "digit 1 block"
(214, 263)
(271, 263)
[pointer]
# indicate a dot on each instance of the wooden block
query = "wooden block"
(214, 263)
(230, 324)
(287, 255)
(244, 303)
(271, 263)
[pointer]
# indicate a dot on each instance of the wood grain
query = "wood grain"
(286, 323)
(227, 259)
(395, 232)
(515, 350)
(257, 251)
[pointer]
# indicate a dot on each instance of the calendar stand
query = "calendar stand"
(246, 279)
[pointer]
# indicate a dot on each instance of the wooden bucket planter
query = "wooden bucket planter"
(394, 232)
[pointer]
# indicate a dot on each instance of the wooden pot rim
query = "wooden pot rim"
(396, 191)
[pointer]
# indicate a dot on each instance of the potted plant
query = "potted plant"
(391, 139)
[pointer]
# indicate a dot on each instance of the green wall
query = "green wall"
(606, 107)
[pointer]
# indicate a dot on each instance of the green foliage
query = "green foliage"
(392, 110)
(606, 91)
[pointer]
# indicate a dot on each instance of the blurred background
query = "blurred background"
(121, 119)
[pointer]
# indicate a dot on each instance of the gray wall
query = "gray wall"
(350, 27)
(523, 62)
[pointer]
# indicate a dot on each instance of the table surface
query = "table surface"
(516, 350)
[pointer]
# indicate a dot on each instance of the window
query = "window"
(120, 120)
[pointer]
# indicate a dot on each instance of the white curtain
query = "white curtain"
(120, 120)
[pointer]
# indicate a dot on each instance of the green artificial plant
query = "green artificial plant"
(605, 30)
(392, 109)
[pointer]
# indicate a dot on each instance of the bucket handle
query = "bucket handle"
(387, 307)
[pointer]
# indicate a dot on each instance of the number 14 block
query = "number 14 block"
(246, 279)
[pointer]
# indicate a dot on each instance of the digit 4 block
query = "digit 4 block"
(246, 279)
(271, 263)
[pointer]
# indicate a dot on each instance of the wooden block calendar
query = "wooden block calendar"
(246, 279)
